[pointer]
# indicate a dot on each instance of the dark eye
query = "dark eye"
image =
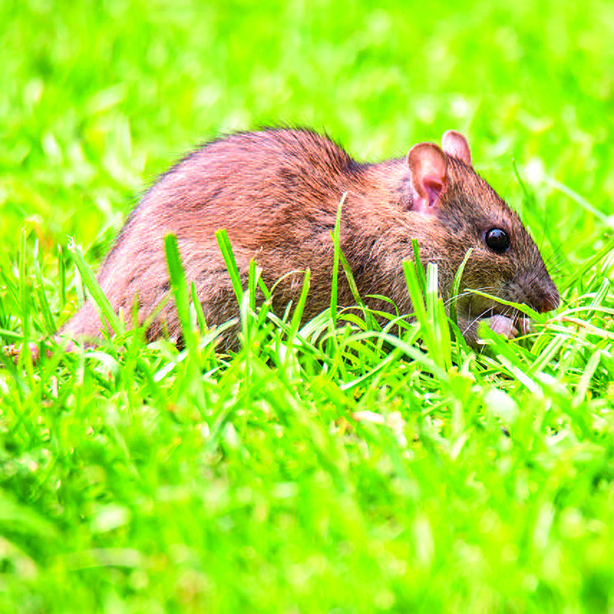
(498, 240)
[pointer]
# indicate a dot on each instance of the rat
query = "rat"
(276, 192)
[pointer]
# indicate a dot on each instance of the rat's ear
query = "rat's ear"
(428, 166)
(455, 144)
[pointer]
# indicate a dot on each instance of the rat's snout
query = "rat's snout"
(547, 299)
(537, 291)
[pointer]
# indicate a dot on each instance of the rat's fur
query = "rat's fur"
(277, 192)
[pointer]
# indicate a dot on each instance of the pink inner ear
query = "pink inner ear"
(428, 166)
(433, 189)
(428, 201)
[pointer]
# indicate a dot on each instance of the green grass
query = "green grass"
(330, 467)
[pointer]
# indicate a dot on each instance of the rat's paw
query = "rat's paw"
(503, 326)
(500, 325)
(510, 328)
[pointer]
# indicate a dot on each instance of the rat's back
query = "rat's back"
(274, 191)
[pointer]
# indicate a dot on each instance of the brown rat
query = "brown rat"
(277, 193)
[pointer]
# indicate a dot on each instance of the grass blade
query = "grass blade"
(336, 237)
(95, 291)
(42, 297)
(456, 287)
(180, 292)
(419, 267)
(231, 264)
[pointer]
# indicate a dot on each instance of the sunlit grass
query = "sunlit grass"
(345, 464)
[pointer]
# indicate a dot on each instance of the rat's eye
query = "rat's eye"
(498, 240)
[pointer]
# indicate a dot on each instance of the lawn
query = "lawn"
(330, 467)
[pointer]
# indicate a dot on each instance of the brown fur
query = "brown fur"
(276, 192)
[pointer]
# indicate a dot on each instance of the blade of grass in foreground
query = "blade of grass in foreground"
(62, 275)
(46, 310)
(415, 291)
(368, 315)
(247, 307)
(96, 293)
(419, 267)
(336, 258)
(23, 289)
(456, 287)
(231, 264)
(193, 382)
(439, 329)
(429, 311)
(180, 292)
(299, 309)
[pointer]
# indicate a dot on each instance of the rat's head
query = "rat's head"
(464, 212)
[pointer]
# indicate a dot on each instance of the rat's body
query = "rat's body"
(277, 193)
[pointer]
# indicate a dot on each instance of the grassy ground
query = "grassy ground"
(326, 469)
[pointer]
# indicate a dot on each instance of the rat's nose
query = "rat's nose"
(547, 300)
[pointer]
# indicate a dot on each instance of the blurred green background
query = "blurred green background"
(99, 97)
